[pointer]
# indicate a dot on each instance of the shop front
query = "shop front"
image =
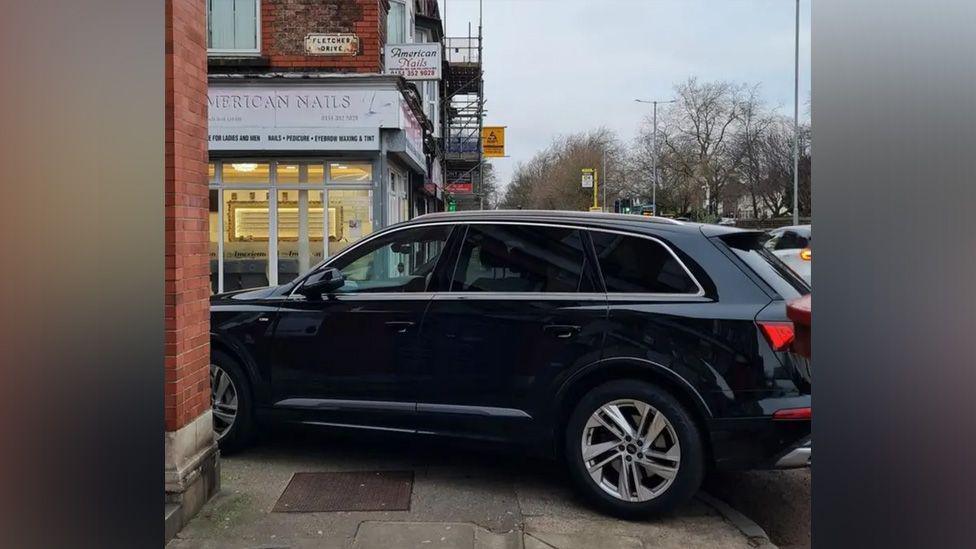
(301, 170)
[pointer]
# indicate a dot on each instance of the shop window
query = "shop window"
(288, 173)
(350, 172)
(214, 221)
(246, 232)
(246, 172)
(300, 230)
(211, 172)
(316, 173)
(233, 26)
(350, 217)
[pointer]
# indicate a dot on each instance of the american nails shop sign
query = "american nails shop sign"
(299, 117)
(420, 61)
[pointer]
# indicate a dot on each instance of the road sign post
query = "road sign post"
(589, 179)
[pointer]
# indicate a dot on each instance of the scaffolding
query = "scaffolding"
(463, 118)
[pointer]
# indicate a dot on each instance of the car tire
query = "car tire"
(652, 493)
(226, 374)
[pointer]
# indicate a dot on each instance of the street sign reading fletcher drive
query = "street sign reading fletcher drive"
(317, 43)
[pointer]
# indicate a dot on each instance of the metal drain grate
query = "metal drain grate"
(348, 491)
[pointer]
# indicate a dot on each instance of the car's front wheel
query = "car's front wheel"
(230, 400)
(633, 449)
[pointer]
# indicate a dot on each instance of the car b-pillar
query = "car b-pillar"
(192, 473)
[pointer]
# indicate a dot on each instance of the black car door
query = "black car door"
(351, 357)
(522, 308)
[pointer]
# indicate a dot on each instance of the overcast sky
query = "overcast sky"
(560, 66)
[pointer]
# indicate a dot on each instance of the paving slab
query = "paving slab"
(427, 535)
(548, 540)
(489, 500)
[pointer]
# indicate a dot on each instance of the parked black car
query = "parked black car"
(639, 350)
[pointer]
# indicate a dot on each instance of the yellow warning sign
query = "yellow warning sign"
(493, 141)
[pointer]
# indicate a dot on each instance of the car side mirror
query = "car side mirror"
(322, 282)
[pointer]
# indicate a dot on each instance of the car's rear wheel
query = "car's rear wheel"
(633, 449)
(230, 400)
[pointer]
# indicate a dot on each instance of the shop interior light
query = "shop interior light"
(245, 167)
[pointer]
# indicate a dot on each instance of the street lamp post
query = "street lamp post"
(654, 152)
(604, 172)
(796, 118)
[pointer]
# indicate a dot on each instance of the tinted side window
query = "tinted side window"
(521, 258)
(637, 265)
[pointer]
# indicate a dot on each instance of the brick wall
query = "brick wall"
(187, 279)
(284, 24)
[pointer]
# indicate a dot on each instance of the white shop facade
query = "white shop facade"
(302, 167)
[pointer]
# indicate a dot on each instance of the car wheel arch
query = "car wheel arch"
(605, 370)
(219, 344)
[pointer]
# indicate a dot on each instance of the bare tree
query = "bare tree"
(721, 150)
(699, 134)
(489, 186)
(750, 142)
(551, 179)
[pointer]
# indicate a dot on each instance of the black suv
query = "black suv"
(639, 350)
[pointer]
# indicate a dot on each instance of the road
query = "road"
(779, 501)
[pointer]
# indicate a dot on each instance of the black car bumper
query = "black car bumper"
(759, 443)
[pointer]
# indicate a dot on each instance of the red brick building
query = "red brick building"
(283, 26)
(285, 142)
(192, 473)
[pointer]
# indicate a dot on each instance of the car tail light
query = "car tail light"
(778, 334)
(793, 414)
(806, 254)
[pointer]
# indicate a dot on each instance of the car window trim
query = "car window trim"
(466, 223)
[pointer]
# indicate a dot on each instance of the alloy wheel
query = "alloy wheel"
(630, 450)
(223, 400)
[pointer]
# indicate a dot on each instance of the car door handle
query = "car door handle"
(400, 326)
(562, 331)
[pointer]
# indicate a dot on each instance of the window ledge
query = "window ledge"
(237, 60)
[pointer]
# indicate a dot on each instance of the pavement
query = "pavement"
(778, 501)
(463, 497)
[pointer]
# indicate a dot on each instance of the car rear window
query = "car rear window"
(748, 247)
